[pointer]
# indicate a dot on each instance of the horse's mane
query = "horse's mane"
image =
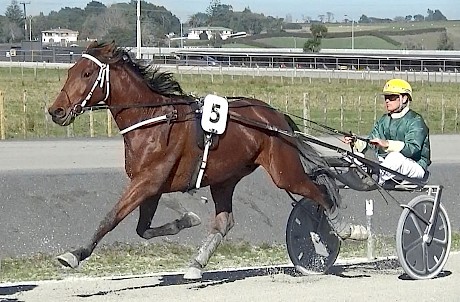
(160, 82)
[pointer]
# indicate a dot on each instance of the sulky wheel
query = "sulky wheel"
(422, 259)
(311, 244)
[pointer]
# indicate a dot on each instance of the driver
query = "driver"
(400, 137)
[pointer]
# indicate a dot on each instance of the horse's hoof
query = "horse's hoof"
(68, 260)
(190, 219)
(358, 232)
(193, 273)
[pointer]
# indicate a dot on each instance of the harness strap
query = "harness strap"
(166, 117)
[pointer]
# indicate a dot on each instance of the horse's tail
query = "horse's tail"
(316, 166)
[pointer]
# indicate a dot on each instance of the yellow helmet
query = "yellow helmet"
(397, 86)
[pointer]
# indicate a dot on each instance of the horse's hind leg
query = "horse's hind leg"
(146, 211)
(222, 195)
(284, 166)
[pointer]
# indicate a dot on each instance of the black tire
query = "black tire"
(307, 220)
(419, 259)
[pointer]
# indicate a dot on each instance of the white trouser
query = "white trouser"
(399, 163)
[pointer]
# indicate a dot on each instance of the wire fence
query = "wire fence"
(30, 119)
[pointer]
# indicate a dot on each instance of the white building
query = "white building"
(225, 33)
(59, 36)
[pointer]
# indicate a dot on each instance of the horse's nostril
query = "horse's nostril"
(58, 112)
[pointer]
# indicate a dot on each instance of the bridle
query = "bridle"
(102, 77)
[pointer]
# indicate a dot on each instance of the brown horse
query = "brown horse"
(162, 153)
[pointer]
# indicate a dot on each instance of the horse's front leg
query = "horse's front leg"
(140, 189)
(222, 196)
(146, 212)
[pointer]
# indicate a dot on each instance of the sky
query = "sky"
(298, 9)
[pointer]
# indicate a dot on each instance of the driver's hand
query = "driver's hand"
(348, 139)
(382, 143)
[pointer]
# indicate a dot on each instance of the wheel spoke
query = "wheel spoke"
(413, 245)
(415, 220)
(425, 257)
(440, 242)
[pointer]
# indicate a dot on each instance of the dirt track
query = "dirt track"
(379, 281)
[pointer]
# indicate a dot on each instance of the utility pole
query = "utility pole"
(139, 43)
(25, 18)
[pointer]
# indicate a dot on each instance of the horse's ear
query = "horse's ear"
(92, 45)
(109, 49)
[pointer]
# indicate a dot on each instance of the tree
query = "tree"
(312, 45)
(330, 17)
(435, 15)
(14, 13)
(123, 36)
(13, 27)
(364, 19)
(203, 36)
(318, 30)
(218, 14)
(198, 20)
(419, 18)
(438, 16)
(94, 8)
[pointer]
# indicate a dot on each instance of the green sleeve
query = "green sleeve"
(414, 138)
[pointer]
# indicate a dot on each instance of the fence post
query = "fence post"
(456, 116)
(109, 123)
(2, 116)
(443, 114)
(24, 111)
(91, 123)
(370, 239)
(360, 114)
(286, 103)
(341, 112)
(306, 112)
(375, 108)
(326, 100)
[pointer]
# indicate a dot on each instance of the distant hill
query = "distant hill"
(415, 35)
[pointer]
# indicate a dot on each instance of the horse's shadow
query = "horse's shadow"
(213, 278)
(13, 289)
(383, 266)
(210, 278)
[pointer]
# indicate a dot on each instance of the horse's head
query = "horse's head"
(87, 84)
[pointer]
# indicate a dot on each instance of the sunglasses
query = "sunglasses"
(391, 97)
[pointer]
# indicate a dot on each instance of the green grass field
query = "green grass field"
(350, 105)
(427, 40)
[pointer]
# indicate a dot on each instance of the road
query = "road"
(55, 192)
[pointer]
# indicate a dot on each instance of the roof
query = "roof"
(60, 30)
(210, 28)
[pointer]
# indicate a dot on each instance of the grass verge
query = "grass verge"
(126, 259)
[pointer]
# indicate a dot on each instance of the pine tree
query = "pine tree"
(14, 13)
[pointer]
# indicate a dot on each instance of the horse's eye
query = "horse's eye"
(86, 74)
